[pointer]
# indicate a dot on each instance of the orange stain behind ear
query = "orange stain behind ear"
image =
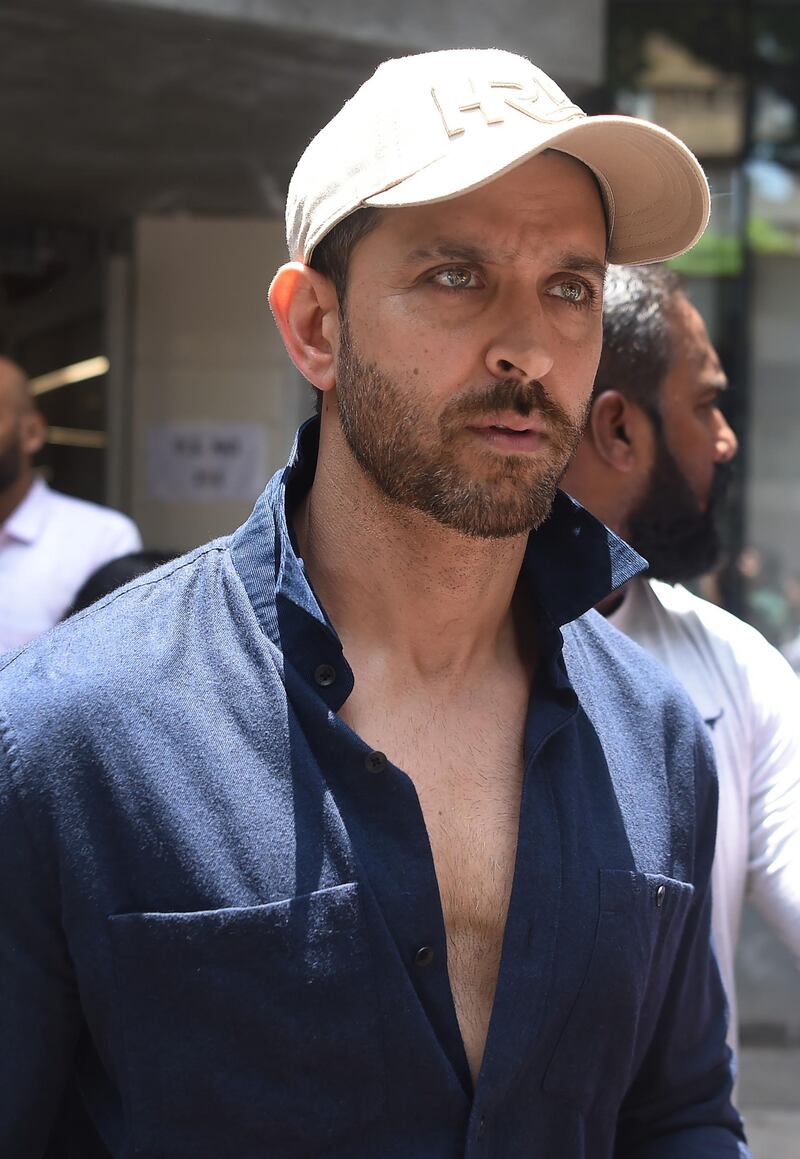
(306, 312)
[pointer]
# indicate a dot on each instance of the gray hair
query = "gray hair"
(637, 349)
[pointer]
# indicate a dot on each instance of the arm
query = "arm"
(39, 1014)
(678, 1106)
(774, 862)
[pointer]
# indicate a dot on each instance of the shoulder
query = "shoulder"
(642, 714)
(132, 618)
(151, 649)
(736, 645)
(614, 671)
(715, 622)
(654, 743)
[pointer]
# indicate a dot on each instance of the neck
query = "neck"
(396, 582)
(12, 496)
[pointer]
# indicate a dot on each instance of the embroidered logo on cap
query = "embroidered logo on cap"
(494, 98)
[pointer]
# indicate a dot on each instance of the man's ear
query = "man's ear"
(306, 311)
(615, 428)
(33, 432)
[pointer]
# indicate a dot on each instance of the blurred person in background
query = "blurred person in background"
(49, 543)
(653, 465)
(764, 592)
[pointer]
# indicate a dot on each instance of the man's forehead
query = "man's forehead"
(483, 251)
(695, 361)
(690, 337)
(446, 249)
(505, 221)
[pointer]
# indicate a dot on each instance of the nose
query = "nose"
(521, 345)
(725, 442)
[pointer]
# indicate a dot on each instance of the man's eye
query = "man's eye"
(455, 278)
(576, 293)
(709, 405)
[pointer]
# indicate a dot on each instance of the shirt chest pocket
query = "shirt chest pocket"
(639, 926)
(248, 1032)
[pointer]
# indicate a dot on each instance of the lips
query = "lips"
(510, 427)
(513, 424)
(517, 437)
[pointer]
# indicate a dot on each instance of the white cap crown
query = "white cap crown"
(431, 127)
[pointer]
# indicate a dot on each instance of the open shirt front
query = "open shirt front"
(225, 924)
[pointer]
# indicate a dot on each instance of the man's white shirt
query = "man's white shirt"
(749, 698)
(49, 546)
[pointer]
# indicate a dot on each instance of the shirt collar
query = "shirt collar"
(571, 563)
(26, 521)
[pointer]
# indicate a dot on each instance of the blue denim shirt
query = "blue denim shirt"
(220, 920)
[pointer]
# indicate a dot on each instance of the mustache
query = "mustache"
(522, 398)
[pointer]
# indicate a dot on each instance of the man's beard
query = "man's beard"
(10, 465)
(387, 433)
(678, 539)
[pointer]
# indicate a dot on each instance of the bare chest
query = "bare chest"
(470, 802)
(467, 770)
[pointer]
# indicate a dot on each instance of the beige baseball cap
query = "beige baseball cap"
(430, 127)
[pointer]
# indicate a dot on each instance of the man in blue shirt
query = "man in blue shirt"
(357, 834)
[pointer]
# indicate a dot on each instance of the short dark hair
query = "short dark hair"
(332, 257)
(637, 347)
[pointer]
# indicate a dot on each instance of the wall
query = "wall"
(205, 348)
(545, 32)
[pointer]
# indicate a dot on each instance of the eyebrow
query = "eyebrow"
(582, 263)
(720, 381)
(450, 251)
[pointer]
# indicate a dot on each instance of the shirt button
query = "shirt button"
(375, 762)
(482, 1127)
(424, 956)
(661, 893)
(325, 675)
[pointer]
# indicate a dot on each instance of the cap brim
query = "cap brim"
(658, 194)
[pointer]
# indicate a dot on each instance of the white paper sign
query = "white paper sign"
(202, 461)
